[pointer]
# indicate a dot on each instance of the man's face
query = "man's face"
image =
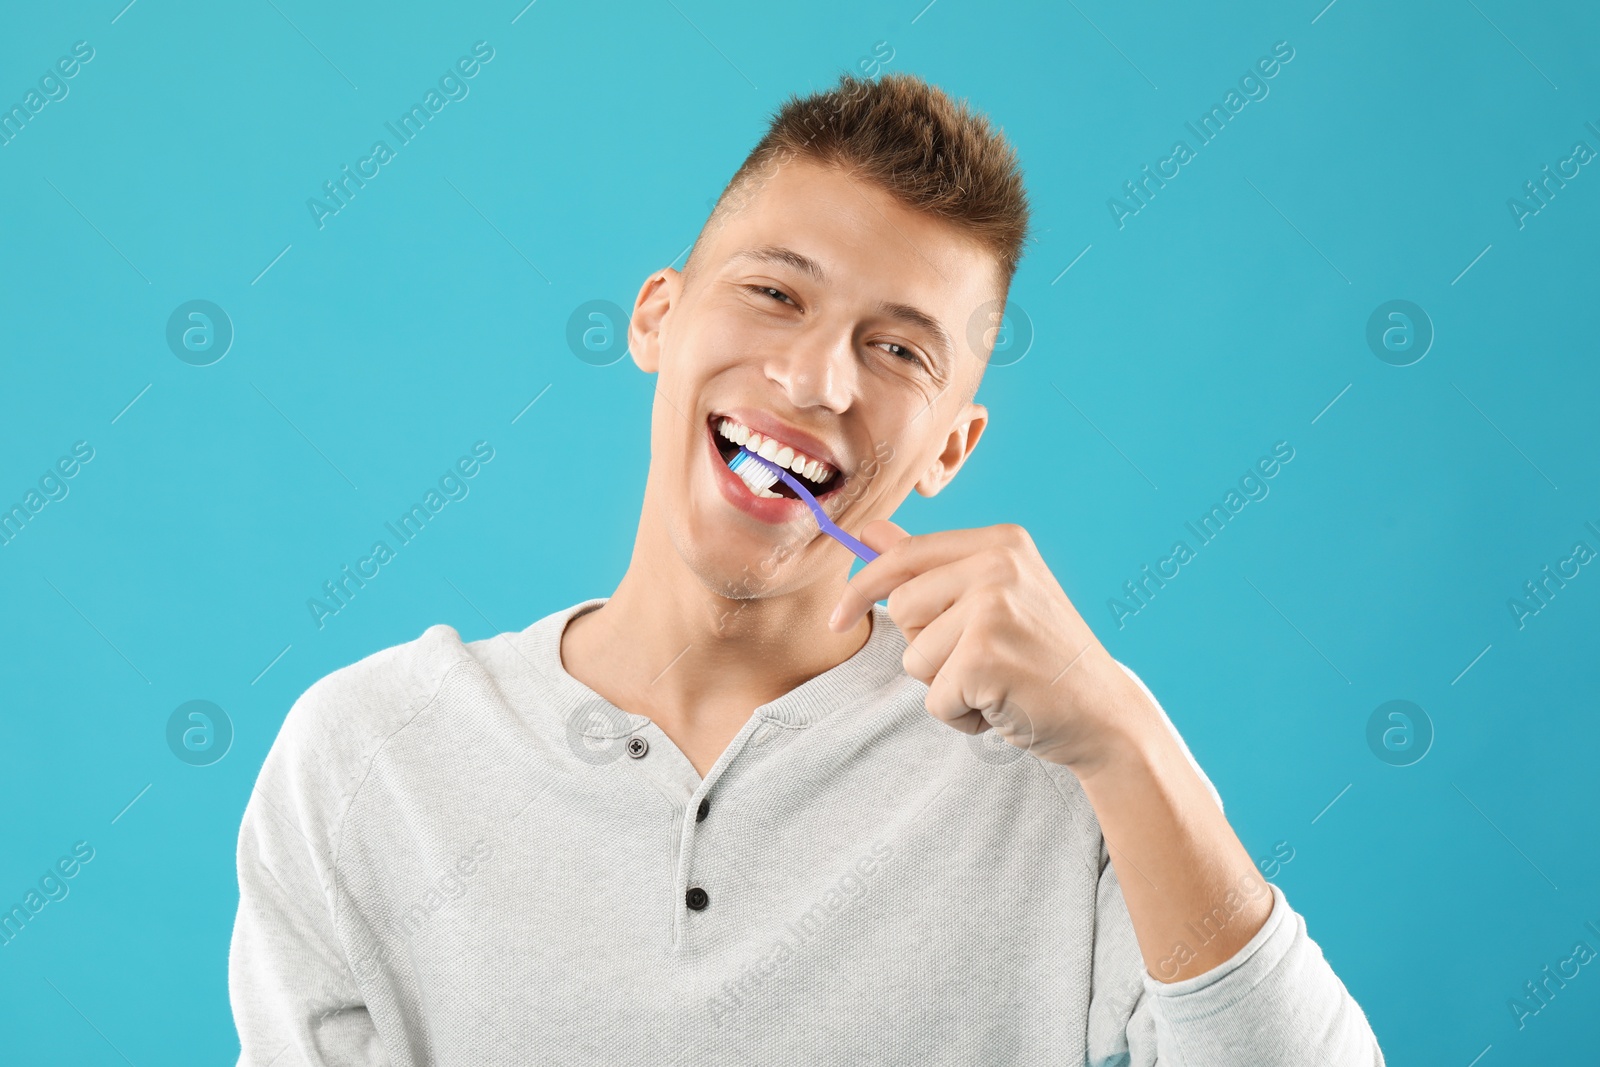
(802, 324)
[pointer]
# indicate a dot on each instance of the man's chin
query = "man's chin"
(743, 567)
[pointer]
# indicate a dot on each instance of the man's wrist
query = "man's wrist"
(1131, 739)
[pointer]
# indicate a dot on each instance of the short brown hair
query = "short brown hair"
(908, 138)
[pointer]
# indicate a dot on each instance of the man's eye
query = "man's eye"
(905, 353)
(768, 290)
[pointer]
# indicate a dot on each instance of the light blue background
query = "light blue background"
(1225, 316)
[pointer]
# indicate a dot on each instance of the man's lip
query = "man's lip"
(718, 442)
(767, 426)
(773, 510)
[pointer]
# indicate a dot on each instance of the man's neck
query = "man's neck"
(697, 663)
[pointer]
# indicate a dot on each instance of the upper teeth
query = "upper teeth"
(783, 455)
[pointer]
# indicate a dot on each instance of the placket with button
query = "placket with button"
(653, 754)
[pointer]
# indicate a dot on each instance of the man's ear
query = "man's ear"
(656, 298)
(957, 447)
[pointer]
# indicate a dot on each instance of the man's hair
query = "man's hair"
(909, 139)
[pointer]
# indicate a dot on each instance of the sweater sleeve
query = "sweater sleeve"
(296, 1001)
(1276, 1001)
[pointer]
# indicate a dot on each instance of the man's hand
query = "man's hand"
(992, 634)
(994, 637)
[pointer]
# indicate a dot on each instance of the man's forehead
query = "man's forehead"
(833, 201)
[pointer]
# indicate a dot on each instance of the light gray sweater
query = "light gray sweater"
(457, 853)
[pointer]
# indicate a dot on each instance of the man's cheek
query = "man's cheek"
(882, 455)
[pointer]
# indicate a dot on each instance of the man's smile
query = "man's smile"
(806, 457)
(778, 448)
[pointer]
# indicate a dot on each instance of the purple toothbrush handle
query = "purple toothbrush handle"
(829, 527)
(862, 551)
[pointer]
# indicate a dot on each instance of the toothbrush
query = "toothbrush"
(759, 474)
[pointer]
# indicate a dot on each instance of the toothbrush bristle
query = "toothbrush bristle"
(756, 475)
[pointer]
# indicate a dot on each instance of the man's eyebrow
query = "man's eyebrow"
(787, 256)
(920, 319)
(810, 267)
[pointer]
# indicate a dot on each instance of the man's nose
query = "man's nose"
(816, 371)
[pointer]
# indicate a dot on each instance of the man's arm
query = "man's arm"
(1275, 1003)
(1178, 860)
(1000, 646)
(1230, 975)
(296, 1002)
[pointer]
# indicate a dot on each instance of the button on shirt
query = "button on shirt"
(456, 852)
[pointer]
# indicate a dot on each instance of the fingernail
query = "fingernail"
(833, 620)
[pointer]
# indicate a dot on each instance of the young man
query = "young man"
(738, 812)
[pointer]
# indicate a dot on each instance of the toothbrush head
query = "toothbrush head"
(758, 476)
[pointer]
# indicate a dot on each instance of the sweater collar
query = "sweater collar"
(873, 666)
